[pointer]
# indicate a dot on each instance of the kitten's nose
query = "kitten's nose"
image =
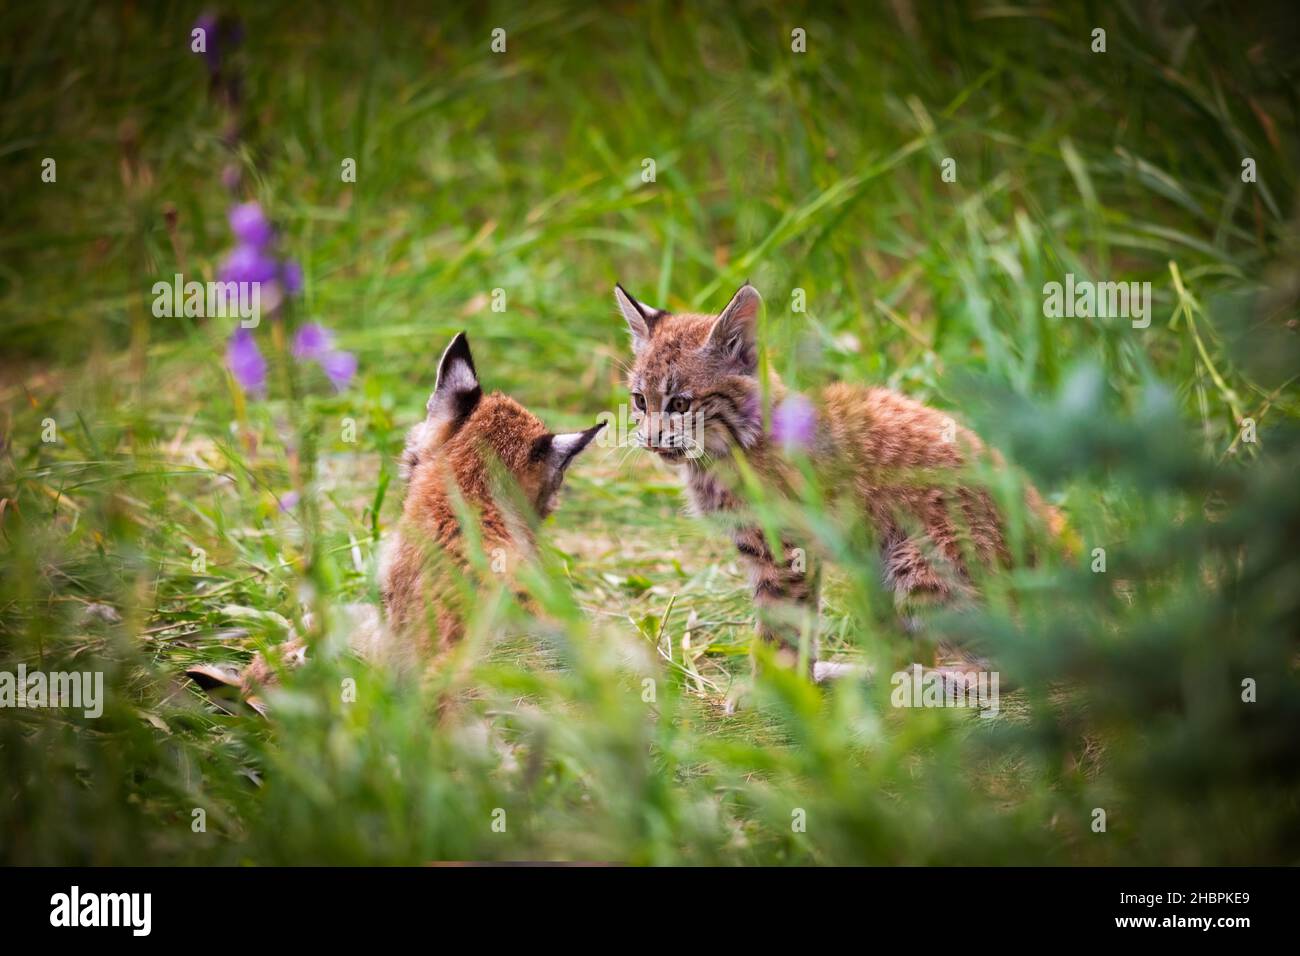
(655, 431)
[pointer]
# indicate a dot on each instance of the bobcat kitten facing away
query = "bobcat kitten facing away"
(466, 441)
(899, 459)
(464, 434)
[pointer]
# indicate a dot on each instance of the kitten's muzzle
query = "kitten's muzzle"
(668, 436)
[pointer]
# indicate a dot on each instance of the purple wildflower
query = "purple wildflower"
(250, 225)
(315, 343)
(312, 342)
(245, 362)
(340, 367)
(289, 500)
(248, 264)
(221, 35)
(207, 22)
(794, 423)
(291, 276)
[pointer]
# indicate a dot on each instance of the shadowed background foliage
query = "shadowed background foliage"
(523, 171)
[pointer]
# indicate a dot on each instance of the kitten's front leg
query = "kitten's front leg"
(785, 590)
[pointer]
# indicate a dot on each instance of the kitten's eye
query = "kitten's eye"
(639, 401)
(678, 405)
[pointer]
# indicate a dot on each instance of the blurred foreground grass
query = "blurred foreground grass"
(163, 496)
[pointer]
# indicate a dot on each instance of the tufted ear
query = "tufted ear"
(558, 450)
(641, 319)
(734, 336)
(457, 392)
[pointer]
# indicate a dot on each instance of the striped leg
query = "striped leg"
(920, 587)
(785, 594)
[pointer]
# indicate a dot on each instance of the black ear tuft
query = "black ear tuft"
(457, 353)
(456, 393)
(641, 319)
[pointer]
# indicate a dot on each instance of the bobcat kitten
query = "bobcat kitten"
(696, 399)
(465, 437)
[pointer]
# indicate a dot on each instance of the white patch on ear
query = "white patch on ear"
(457, 386)
(564, 447)
(455, 371)
(640, 318)
(734, 335)
(457, 376)
(567, 445)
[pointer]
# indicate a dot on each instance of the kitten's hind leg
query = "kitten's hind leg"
(785, 596)
(918, 585)
(922, 593)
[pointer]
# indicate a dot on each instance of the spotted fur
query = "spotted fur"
(903, 463)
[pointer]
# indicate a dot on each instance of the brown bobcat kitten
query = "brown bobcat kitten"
(463, 437)
(898, 459)
(467, 438)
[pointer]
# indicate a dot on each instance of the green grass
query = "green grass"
(523, 172)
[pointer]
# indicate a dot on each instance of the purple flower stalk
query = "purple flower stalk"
(220, 36)
(340, 367)
(207, 22)
(248, 264)
(245, 362)
(250, 225)
(794, 423)
(315, 343)
(312, 342)
(291, 276)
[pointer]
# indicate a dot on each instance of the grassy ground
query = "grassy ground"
(165, 495)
